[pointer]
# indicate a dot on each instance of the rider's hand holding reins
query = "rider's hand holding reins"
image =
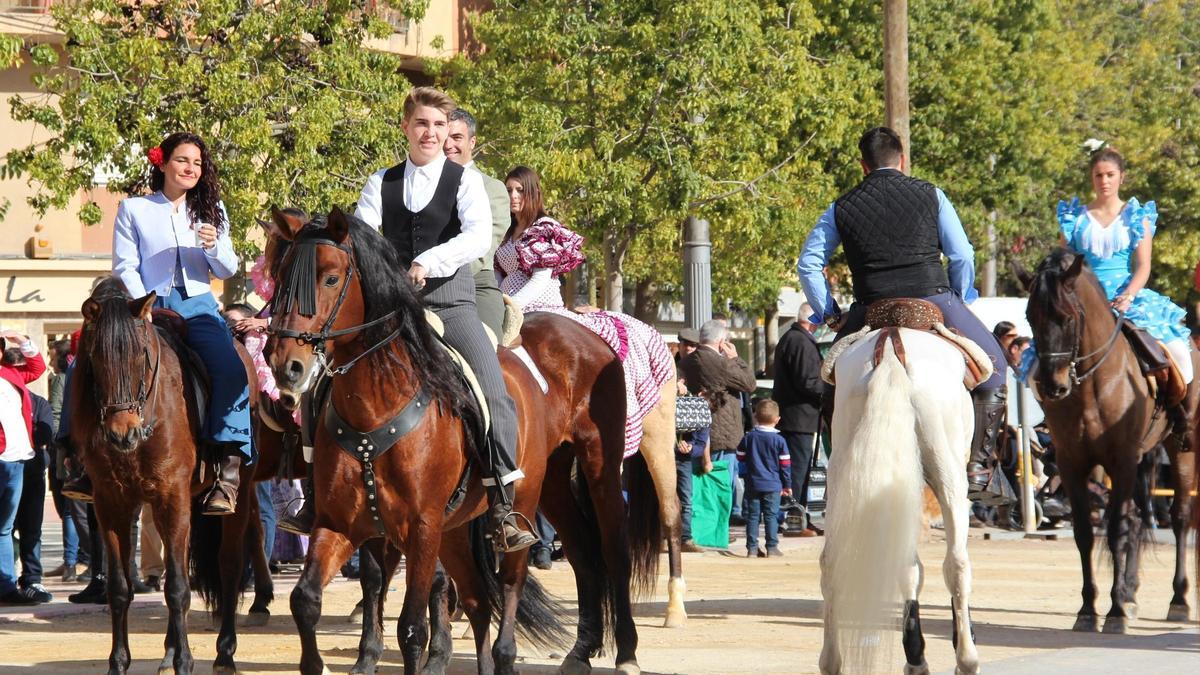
(416, 274)
(1121, 303)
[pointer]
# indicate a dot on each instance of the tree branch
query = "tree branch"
(750, 184)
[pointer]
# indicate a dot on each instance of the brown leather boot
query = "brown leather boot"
(222, 499)
(505, 523)
(302, 522)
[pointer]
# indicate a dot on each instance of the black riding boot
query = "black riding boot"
(503, 521)
(985, 483)
(222, 499)
(302, 522)
(77, 486)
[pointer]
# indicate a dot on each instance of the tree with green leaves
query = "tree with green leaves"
(640, 113)
(294, 107)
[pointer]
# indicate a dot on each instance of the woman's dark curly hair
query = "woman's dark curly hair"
(204, 199)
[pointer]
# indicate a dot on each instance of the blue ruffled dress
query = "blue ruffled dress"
(1109, 250)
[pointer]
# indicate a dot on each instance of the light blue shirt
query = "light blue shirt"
(824, 240)
(152, 243)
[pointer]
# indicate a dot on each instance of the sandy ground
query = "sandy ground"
(760, 616)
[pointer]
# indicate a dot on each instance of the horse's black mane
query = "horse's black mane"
(112, 340)
(1048, 294)
(385, 287)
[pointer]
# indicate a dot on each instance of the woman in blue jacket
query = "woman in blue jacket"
(170, 242)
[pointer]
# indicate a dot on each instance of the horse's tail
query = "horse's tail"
(538, 611)
(205, 557)
(645, 526)
(873, 518)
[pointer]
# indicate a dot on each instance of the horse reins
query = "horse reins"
(1073, 355)
(302, 276)
(145, 391)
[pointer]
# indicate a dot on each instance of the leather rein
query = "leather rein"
(318, 340)
(1103, 352)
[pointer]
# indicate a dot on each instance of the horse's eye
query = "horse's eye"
(331, 280)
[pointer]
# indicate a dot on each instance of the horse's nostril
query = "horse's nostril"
(295, 368)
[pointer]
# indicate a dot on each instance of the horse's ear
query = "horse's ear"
(1022, 275)
(1073, 271)
(90, 310)
(283, 225)
(140, 308)
(337, 226)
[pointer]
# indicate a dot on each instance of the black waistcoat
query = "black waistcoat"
(414, 233)
(889, 230)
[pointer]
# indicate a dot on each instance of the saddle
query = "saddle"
(174, 329)
(1157, 365)
(889, 316)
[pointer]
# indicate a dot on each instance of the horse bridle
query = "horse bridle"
(145, 390)
(290, 297)
(1073, 355)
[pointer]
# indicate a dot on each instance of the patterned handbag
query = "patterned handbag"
(692, 413)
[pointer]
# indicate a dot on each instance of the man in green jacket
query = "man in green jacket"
(460, 149)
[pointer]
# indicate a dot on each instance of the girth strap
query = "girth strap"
(367, 446)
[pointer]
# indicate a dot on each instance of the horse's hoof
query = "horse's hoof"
(910, 669)
(574, 666)
(356, 615)
(968, 670)
(628, 668)
(1115, 625)
(1085, 624)
(1178, 613)
(225, 670)
(1131, 610)
(256, 619)
(676, 618)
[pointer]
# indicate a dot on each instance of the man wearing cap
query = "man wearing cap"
(692, 451)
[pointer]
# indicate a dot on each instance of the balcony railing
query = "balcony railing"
(25, 6)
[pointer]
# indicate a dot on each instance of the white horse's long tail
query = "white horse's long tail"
(873, 519)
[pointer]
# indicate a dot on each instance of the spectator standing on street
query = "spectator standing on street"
(31, 510)
(692, 450)
(73, 555)
(16, 448)
(798, 390)
(717, 372)
(766, 466)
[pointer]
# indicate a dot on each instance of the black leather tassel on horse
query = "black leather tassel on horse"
(300, 286)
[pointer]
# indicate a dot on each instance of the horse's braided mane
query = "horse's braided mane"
(385, 287)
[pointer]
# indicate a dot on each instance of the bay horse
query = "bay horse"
(344, 299)
(896, 427)
(135, 422)
(1101, 412)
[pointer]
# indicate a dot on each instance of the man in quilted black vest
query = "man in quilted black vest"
(436, 214)
(895, 230)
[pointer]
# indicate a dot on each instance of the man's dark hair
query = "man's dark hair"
(13, 356)
(880, 147)
(461, 115)
(1002, 329)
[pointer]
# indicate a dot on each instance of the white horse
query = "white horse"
(894, 429)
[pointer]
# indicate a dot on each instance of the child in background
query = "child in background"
(766, 467)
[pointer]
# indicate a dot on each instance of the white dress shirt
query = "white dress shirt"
(154, 244)
(420, 184)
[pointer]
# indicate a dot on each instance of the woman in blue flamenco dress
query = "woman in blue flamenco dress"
(1115, 238)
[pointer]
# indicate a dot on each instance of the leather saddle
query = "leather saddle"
(1156, 364)
(888, 316)
(173, 327)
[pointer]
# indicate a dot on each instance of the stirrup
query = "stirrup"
(300, 523)
(525, 538)
(220, 492)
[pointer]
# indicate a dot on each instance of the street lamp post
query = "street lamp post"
(697, 272)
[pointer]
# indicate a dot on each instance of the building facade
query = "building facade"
(42, 296)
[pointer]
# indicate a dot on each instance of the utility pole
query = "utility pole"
(697, 272)
(895, 70)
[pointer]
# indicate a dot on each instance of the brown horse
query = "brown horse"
(135, 422)
(1100, 411)
(359, 309)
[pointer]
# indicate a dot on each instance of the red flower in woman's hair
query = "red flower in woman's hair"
(155, 155)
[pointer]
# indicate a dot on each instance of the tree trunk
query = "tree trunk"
(234, 289)
(772, 326)
(646, 301)
(615, 247)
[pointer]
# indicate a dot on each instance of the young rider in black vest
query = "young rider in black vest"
(895, 230)
(437, 216)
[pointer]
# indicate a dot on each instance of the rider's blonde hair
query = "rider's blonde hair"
(430, 97)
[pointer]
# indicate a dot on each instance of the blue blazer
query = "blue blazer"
(151, 240)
